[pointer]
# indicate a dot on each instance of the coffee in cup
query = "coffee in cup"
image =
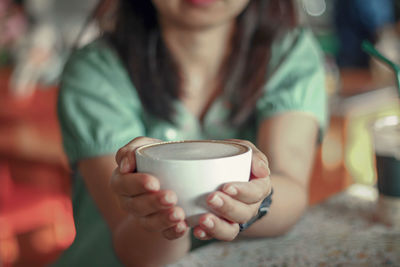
(194, 169)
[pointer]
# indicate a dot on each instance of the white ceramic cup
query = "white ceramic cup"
(194, 169)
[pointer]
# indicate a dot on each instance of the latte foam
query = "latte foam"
(193, 150)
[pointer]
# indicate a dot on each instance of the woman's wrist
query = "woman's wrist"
(262, 211)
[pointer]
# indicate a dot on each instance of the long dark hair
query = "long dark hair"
(155, 74)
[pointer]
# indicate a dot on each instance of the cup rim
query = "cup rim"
(377, 131)
(139, 152)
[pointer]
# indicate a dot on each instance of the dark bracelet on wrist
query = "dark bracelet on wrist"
(262, 211)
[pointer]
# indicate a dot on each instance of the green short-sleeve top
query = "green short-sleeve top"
(99, 111)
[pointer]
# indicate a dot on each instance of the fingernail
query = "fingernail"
(208, 223)
(216, 201)
(174, 216)
(201, 234)
(180, 227)
(169, 199)
(231, 190)
(152, 186)
(124, 167)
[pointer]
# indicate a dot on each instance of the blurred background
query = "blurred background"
(36, 37)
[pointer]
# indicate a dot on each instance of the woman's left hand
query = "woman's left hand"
(236, 202)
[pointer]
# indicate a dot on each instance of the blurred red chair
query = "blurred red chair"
(36, 221)
(44, 215)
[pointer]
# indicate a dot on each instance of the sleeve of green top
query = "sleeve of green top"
(98, 108)
(296, 79)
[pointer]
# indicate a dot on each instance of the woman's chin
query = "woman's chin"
(202, 3)
(199, 14)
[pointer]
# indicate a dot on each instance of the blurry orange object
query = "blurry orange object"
(330, 174)
(26, 209)
(36, 221)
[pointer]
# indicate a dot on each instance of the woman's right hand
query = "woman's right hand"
(139, 194)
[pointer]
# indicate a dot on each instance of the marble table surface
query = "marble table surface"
(338, 232)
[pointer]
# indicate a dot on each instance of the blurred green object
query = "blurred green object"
(4, 58)
(370, 49)
(329, 42)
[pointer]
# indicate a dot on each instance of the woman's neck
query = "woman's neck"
(199, 53)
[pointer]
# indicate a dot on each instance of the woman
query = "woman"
(188, 69)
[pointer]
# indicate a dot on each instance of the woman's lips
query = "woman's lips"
(201, 2)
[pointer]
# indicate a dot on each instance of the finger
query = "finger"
(215, 227)
(176, 231)
(231, 209)
(249, 192)
(132, 184)
(146, 204)
(259, 163)
(125, 156)
(201, 234)
(163, 220)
